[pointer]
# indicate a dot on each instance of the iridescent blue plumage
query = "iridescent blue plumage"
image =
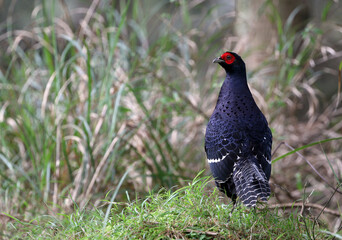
(238, 140)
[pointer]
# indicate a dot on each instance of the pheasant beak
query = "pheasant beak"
(218, 60)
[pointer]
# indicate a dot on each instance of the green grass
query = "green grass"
(190, 212)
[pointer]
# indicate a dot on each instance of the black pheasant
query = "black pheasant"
(238, 140)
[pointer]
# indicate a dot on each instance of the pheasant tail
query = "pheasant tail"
(250, 182)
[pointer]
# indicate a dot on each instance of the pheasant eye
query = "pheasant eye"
(228, 58)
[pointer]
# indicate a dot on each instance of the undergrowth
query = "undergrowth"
(190, 212)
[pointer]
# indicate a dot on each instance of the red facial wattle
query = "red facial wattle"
(228, 57)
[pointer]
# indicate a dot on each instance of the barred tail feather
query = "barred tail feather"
(250, 182)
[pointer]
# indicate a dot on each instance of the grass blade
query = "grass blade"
(304, 147)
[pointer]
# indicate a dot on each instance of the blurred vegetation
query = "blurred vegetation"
(114, 98)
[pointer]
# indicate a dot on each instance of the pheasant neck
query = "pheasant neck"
(235, 86)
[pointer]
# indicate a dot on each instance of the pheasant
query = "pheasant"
(238, 140)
